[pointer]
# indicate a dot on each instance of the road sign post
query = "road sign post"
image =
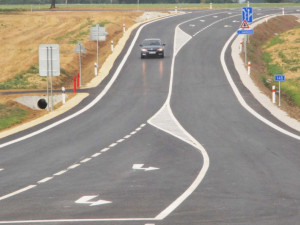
(80, 49)
(279, 78)
(49, 65)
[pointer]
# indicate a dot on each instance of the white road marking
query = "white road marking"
(140, 167)
(165, 120)
(45, 180)
(202, 21)
(17, 192)
(133, 132)
(73, 166)
(85, 160)
(105, 150)
(121, 140)
(1, 169)
(227, 26)
(113, 145)
(240, 97)
(138, 129)
(143, 125)
(192, 25)
(127, 136)
(60, 173)
(215, 16)
(96, 154)
(76, 220)
(87, 200)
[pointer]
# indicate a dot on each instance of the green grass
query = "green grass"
(19, 81)
(291, 88)
(275, 41)
(10, 115)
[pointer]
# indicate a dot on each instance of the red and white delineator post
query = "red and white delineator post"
(273, 94)
(95, 69)
(112, 45)
(249, 68)
(282, 11)
(124, 28)
(241, 47)
(267, 18)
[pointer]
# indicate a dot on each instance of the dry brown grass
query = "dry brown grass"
(21, 34)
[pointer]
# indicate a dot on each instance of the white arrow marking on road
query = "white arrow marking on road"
(86, 200)
(140, 167)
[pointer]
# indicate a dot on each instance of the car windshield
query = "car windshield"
(151, 42)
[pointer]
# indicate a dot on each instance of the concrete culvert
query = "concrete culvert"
(42, 103)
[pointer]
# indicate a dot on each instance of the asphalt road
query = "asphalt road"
(168, 143)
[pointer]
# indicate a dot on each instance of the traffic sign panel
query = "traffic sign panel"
(244, 24)
(247, 14)
(279, 77)
(245, 32)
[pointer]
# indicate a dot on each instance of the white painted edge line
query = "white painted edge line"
(17, 192)
(96, 154)
(45, 180)
(75, 220)
(73, 166)
(241, 99)
(60, 173)
(98, 98)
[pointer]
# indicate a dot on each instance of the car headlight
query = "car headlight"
(160, 49)
(144, 50)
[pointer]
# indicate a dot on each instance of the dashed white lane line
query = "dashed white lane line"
(105, 150)
(138, 129)
(143, 125)
(112, 145)
(96, 154)
(133, 132)
(85, 160)
(73, 166)
(60, 173)
(121, 140)
(127, 136)
(45, 180)
(17, 192)
(1, 169)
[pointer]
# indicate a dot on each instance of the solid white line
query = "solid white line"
(105, 150)
(17, 192)
(73, 166)
(240, 97)
(60, 173)
(186, 136)
(76, 220)
(44, 180)
(85, 160)
(96, 154)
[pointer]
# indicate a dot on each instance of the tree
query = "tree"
(52, 4)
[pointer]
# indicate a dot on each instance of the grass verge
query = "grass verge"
(11, 115)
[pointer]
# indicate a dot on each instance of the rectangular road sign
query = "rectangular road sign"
(49, 63)
(245, 32)
(247, 14)
(279, 77)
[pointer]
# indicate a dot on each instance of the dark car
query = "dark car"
(152, 47)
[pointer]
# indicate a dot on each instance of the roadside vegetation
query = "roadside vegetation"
(274, 49)
(11, 115)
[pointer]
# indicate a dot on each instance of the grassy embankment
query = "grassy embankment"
(274, 49)
(10, 115)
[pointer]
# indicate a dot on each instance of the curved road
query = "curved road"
(167, 143)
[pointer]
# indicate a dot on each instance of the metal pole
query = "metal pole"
(245, 48)
(51, 79)
(138, 2)
(47, 79)
(98, 45)
(279, 96)
(80, 65)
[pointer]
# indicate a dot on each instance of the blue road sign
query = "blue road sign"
(247, 14)
(245, 32)
(279, 77)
